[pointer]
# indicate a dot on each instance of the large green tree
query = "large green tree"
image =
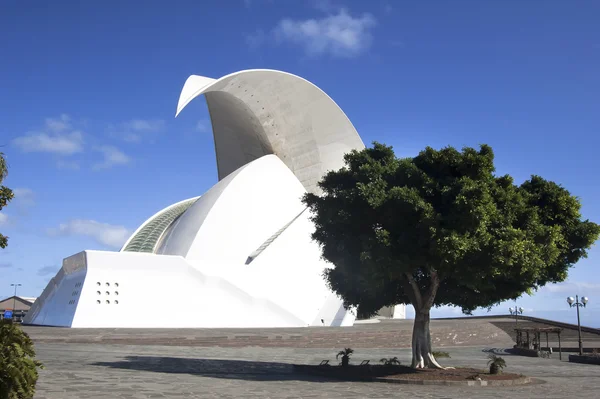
(442, 229)
(6, 194)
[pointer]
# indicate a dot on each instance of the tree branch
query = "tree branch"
(414, 287)
(434, 284)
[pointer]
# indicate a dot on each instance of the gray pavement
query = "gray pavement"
(145, 371)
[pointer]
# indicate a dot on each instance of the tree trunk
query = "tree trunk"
(421, 342)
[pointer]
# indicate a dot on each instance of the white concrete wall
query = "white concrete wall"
(399, 312)
(236, 216)
(58, 302)
(166, 291)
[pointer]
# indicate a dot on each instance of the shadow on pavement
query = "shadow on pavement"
(215, 368)
(499, 351)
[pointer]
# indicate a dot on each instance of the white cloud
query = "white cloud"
(59, 124)
(56, 137)
(340, 35)
(256, 39)
(203, 126)
(135, 130)
(142, 125)
(3, 219)
(104, 233)
(572, 288)
(112, 156)
(24, 196)
(5, 265)
(57, 143)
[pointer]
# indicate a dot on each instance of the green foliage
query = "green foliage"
(392, 361)
(345, 355)
(442, 229)
(18, 368)
(496, 364)
(440, 354)
(6, 194)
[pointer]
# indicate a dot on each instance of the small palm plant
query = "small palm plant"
(392, 361)
(345, 354)
(496, 364)
(18, 367)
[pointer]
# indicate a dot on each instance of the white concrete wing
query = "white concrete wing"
(261, 112)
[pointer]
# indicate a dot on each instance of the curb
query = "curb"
(311, 370)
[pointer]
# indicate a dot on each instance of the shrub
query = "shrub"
(345, 354)
(496, 364)
(18, 368)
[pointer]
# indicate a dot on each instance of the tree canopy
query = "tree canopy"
(442, 229)
(6, 194)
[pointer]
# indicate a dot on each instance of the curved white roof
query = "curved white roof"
(260, 112)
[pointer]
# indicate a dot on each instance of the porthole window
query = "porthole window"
(107, 293)
(116, 284)
(108, 284)
(98, 292)
(108, 302)
(98, 302)
(98, 283)
(116, 302)
(116, 292)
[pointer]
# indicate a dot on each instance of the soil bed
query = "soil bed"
(466, 376)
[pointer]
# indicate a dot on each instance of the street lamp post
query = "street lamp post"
(15, 298)
(575, 302)
(516, 312)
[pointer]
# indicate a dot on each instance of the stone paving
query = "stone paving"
(256, 363)
(138, 371)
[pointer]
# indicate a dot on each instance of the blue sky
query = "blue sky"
(88, 92)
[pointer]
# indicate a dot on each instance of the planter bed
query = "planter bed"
(407, 375)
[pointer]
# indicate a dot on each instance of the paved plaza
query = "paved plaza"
(93, 368)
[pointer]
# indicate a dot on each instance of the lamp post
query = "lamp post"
(516, 312)
(575, 302)
(15, 297)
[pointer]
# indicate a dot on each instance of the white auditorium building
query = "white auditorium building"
(241, 254)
